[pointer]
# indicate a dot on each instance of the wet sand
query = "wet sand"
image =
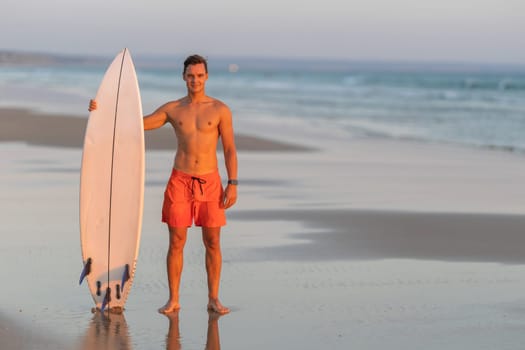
(370, 244)
(23, 336)
(372, 235)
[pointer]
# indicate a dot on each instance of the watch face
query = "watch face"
(233, 182)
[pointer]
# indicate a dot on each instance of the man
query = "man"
(194, 192)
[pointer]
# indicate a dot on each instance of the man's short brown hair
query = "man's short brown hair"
(195, 59)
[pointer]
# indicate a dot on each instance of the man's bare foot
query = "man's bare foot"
(169, 307)
(216, 306)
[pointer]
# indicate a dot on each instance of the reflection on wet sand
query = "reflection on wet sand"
(212, 339)
(107, 331)
(173, 337)
(110, 332)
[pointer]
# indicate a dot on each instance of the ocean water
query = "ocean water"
(481, 106)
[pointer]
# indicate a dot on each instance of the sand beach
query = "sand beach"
(368, 244)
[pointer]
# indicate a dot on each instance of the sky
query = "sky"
(480, 31)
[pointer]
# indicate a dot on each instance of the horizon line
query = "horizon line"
(140, 56)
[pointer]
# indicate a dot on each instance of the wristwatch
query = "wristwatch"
(233, 182)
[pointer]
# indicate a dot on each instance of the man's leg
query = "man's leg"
(211, 239)
(174, 262)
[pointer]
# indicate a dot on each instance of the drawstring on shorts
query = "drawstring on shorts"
(200, 181)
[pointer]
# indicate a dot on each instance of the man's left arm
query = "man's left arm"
(230, 155)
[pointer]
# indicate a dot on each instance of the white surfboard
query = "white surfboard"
(112, 186)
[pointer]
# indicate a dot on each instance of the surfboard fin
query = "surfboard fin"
(107, 299)
(125, 276)
(85, 271)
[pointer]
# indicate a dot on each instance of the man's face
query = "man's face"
(195, 77)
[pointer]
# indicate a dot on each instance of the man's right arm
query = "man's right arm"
(156, 119)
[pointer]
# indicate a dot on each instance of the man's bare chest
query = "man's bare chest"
(199, 118)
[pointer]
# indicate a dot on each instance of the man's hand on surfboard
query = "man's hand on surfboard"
(92, 105)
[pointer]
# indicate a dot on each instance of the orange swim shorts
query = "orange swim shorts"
(193, 198)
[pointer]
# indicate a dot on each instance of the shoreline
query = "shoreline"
(46, 129)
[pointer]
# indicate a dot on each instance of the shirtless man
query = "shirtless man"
(194, 192)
